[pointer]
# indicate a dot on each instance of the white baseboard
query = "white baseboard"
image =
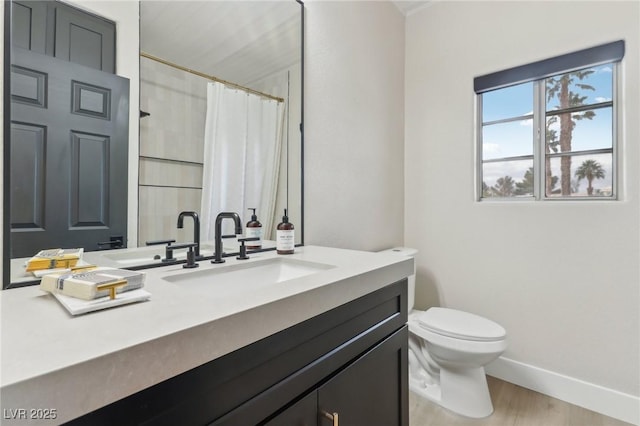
(593, 397)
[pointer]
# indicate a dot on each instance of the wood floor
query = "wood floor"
(513, 405)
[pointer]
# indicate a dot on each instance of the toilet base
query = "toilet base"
(463, 391)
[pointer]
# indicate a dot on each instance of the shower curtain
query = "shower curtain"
(242, 144)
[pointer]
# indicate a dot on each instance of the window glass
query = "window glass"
(513, 101)
(591, 129)
(510, 139)
(583, 87)
(590, 175)
(507, 178)
(575, 147)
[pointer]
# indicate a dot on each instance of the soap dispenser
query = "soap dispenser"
(254, 230)
(285, 239)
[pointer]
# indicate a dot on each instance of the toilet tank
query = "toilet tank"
(407, 252)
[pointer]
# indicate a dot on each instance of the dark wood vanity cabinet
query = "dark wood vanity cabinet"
(350, 361)
(368, 392)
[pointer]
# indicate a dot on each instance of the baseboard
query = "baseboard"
(593, 397)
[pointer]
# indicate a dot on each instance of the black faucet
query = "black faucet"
(218, 254)
(196, 230)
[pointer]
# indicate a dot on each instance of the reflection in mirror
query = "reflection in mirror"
(254, 48)
(221, 82)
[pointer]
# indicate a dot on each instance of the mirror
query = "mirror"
(254, 44)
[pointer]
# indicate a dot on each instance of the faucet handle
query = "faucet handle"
(158, 242)
(191, 258)
(243, 248)
(182, 245)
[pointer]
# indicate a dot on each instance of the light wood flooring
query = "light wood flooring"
(513, 405)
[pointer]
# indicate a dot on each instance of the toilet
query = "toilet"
(448, 350)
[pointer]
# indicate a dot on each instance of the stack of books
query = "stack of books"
(95, 288)
(54, 259)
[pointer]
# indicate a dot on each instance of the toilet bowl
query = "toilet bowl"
(448, 350)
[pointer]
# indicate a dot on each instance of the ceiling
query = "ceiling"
(408, 6)
(237, 41)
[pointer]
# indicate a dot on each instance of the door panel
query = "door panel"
(89, 180)
(27, 206)
(68, 33)
(29, 23)
(84, 39)
(69, 153)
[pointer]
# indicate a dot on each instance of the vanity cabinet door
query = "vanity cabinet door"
(302, 413)
(373, 390)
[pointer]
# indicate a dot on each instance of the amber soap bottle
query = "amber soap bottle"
(254, 230)
(285, 236)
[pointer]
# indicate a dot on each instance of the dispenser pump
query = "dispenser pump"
(253, 215)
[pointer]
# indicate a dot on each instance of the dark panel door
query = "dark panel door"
(69, 150)
(63, 31)
(84, 39)
(372, 390)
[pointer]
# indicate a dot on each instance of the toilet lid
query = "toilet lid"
(460, 325)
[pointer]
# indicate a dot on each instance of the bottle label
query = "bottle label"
(285, 239)
(253, 233)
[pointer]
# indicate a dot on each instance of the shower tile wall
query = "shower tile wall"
(171, 150)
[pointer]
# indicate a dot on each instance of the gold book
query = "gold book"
(53, 259)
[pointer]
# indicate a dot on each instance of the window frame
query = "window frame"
(539, 119)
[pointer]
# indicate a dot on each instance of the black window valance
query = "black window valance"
(610, 52)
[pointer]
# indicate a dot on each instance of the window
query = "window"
(547, 130)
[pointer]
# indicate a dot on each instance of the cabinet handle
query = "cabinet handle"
(331, 416)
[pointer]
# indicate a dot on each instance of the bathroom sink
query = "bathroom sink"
(249, 275)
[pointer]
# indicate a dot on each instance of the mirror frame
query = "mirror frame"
(6, 131)
(6, 151)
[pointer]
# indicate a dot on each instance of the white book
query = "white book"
(87, 284)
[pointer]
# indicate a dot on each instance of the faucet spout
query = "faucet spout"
(196, 229)
(218, 244)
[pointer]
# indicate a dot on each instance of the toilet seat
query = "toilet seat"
(460, 325)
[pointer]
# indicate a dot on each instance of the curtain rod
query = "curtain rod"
(210, 77)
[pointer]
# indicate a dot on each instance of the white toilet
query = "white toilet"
(448, 350)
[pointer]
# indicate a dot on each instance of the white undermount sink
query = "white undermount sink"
(249, 275)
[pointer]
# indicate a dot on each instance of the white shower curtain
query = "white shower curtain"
(242, 144)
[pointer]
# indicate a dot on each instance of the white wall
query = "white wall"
(353, 118)
(561, 277)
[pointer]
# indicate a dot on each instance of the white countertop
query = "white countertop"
(130, 257)
(52, 360)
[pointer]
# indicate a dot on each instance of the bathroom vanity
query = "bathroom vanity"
(328, 343)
